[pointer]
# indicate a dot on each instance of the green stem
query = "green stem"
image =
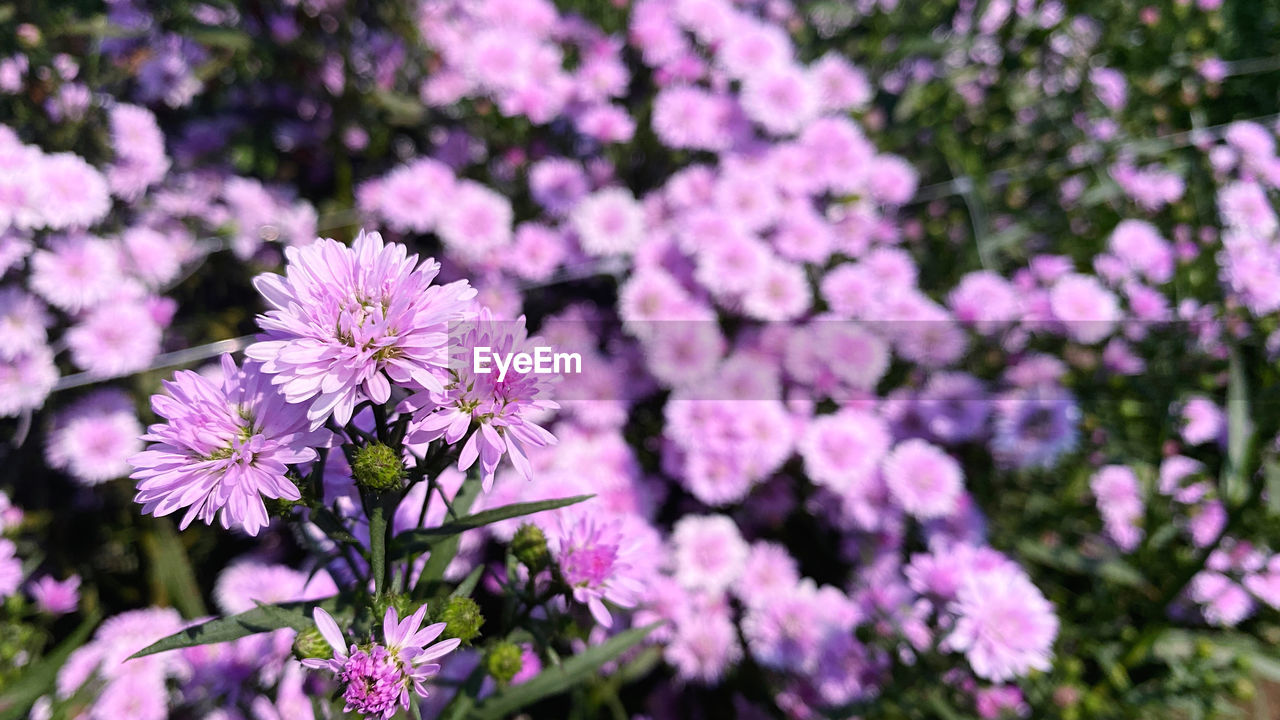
(380, 422)
(378, 545)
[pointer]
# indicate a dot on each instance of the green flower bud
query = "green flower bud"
(378, 467)
(462, 619)
(404, 605)
(530, 547)
(311, 644)
(504, 661)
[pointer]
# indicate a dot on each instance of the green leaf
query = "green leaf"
(1272, 473)
(1240, 433)
(445, 551)
(171, 571)
(468, 584)
(264, 618)
(224, 38)
(415, 541)
(555, 680)
(37, 679)
(1068, 559)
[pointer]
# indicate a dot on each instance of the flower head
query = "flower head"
(593, 560)
(346, 322)
(1005, 626)
(501, 405)
(377, 677)
(223, 448)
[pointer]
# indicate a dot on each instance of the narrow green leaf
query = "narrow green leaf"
(171, 569)
(414, 541)
(264, 618)
(1240, 432)
(468, 584)
(446, 549)
(39, 678)
(1272, 473)
(555, 680)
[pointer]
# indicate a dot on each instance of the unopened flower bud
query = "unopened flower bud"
(404, 605)
(504, 661)
(462, 619)
(378, 467)
(311, 644)
(530, 547)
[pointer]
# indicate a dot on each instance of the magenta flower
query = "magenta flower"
(223, 448)
(501, 406)
(56, 597)
(349, 321)
(377, 677)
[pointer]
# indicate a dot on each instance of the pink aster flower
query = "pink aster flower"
(1089, 311)
(609, 222)
(245, 583)
(923, 479)
(26, 380)
(413, 196)
(502, 407)
(346, 322)
(139, 148)
(76, 272)
(94, 439)
(708, 552)
(704, 643)
(222, 448)
(475, 222)
(377, 677)
(1119, 498)
(115, 339)
(594, 558)
(23, 322)
(1203, 421)
(782, 99)
(841, 451)
(10, 568)
(1004, 626)
(56, 597)
(72, 193)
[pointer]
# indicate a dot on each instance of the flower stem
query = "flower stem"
(378, 545)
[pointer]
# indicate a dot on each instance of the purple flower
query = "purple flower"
(1119, 499)
(501, 406)
(925, 481)
(223, 448)
(94, 438)
(10, 568)
(56, 597)
(349, 321)
(377, 677)
(1004, 626)
(1034, 426)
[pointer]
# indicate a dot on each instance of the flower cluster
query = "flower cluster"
(917, 373)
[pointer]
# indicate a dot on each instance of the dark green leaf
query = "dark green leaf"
(264, 618)
(415, 541)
